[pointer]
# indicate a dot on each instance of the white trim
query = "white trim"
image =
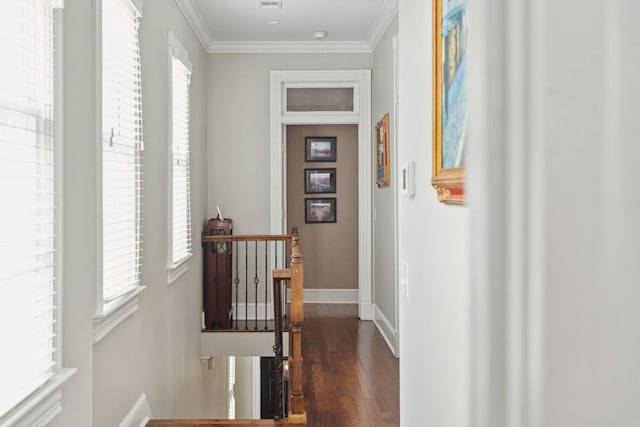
(288, 47)
(241, 343)
(396, 173)
(42, 406)
(329, 296)
(248, 311)
(360, 80)
(138, 5)
(383, 20)
(118, 311)
(59, 176)
(255, 390)
(194, 17)
(178, 50)
(98, 165)
(174, 273)
(139, 414)
(386, 329)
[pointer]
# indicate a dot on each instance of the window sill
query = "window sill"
(114, 313)
(42, 406)
(174, 272)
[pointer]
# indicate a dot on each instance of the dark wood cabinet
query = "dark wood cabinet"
(217, 292)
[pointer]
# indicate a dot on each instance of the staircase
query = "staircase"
(257, 330)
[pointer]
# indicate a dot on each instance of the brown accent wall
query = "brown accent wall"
(330, 250)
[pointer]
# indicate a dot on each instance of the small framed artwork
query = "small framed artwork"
(320, 180)
(320, 210)
(383, 176)
(320, 148)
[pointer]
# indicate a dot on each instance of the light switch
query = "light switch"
(404, 279)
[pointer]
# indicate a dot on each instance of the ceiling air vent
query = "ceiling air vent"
(271, 4)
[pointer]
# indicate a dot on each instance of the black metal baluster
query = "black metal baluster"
(236, 281)
(246, 284)
(256, 281)
(266, 280)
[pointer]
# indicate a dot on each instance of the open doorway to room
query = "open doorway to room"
(322, 201)
(319, 98)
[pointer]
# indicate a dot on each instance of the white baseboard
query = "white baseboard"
(388, 332)
(248, 311)
(139, 414)
(365, 311)
(328, 296)
(311, 296)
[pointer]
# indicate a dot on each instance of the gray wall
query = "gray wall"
(384, 227)
(157, 349)
(330, 250)
(238, 129)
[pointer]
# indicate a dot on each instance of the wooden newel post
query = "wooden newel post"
(297, 414)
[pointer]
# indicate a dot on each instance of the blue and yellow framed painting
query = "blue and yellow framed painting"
(450, 100)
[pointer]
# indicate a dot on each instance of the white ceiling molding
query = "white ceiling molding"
(382, 22)
(193, 16)
(289, 47)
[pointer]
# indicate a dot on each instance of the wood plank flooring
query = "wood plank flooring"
(351, 378)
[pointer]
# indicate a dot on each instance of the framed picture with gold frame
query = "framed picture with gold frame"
(383, 176)
(450, 99)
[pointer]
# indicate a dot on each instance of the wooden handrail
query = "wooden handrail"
(242, 238)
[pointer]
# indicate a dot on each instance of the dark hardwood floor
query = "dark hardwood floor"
(351, 378)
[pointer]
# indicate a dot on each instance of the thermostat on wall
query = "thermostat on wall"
(407, 179)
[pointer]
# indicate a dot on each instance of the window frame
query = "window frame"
(44, 404)
(176, 51)
(107, 315)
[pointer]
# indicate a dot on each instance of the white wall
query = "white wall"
(434, 241)
(558, 123)
(384, 199)
(157, 349)
(590, 131)
(238, 130)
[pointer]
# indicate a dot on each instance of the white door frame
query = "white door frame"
(360, 81)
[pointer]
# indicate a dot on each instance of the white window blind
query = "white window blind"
(121, 148)
(27, 189)
(181, 185)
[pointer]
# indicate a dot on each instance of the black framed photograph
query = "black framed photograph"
(320, 180)
(320, 148)
(320, 210)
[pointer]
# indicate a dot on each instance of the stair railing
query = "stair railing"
(251, 257)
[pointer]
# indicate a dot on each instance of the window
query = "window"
(30, 366)
(122, 146)
(180, 214)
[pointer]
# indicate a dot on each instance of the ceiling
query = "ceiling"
(242, 25)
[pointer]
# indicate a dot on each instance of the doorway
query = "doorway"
(329, 238)
(356, 84)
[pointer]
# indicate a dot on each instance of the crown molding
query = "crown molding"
(193, 17)
(383, 20)
(289, 47)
